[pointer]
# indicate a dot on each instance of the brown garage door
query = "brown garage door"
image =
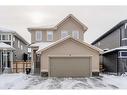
(69, 66)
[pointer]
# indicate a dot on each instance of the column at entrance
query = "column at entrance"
(32, 61)
(1, 61)
(6, 61)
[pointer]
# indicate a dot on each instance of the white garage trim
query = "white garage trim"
(57, 56)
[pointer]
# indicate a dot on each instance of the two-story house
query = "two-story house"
(114, 43)
(12, 48)
(59, 51)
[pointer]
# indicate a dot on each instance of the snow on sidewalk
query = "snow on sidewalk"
(13, 81)
(23, 81)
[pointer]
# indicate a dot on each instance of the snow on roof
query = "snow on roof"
(41, 45)
(45, 26)
(5, 30)
(115, 49)
(44, 45)
(5, 46)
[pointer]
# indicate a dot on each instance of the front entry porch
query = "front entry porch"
(6, 58)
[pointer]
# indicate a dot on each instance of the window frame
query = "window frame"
(120, 54)
(123, 32)
(77, 34)
(21, 47)
(38, 35)
(18, 44)
(49, 33)
(7, 37)
(62, 32)
(13, 38)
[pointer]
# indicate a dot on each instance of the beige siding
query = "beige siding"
(67, 48)
(69, 25)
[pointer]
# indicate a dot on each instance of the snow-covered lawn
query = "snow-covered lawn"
(22, 81)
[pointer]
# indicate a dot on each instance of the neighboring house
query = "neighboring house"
(114, 43)
(59, 51)
(12, 48)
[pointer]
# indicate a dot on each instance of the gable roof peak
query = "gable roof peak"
(75, 19)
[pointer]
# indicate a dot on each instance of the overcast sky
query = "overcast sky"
(98, 19)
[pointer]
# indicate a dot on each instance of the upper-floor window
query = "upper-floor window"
(5, 37)
(13, 38)
(124, 32)
(124, 35)
(64, 34)
(21, 47)
(75, 34)
(9, 37)
(18, 44)
(38, 36)
(49, 36)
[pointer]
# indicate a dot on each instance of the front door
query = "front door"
(36, 59)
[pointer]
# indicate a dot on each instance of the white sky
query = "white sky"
(98, 19)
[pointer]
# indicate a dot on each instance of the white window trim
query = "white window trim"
(77, 33)
(0, 37)
(21, 47)
(13, 38)
(49, 33)
(18, 44)
(62, 32)
(120, 52)
(125, 25)
(7, 37)
(37, 35)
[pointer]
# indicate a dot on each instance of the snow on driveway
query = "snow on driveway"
(22, 81)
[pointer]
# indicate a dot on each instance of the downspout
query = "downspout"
(117, 62)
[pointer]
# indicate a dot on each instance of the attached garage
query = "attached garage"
(70, 66)
(69, 57)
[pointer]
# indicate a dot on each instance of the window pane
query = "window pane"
(123, 53)
(38, 36)
(4, 37)
(9, 37)
(0, 37)
(64, 34)
(49, 36)
(13, 38)
(75, 34)
(18, 44)
(21, 47)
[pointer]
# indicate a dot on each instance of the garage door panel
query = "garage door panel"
(69, 66)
